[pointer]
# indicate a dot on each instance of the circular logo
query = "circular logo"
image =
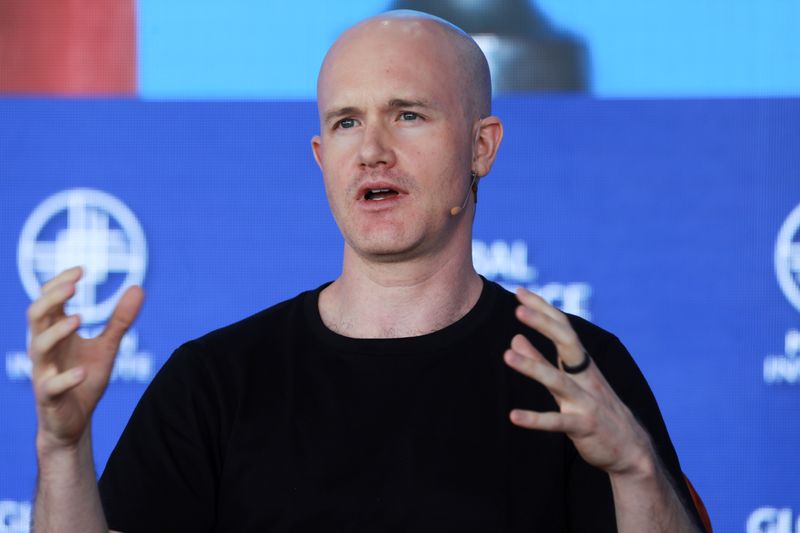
(787, 257)
(88, 228)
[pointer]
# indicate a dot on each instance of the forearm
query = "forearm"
(67, 499)
(645, 500)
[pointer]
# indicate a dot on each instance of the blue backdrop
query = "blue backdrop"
(659, 220)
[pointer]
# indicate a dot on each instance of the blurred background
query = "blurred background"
(649, 181)
(245, 49)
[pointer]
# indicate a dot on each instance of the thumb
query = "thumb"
(124, 315)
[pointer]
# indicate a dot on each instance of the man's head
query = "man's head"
(404, 101)
(465, 62)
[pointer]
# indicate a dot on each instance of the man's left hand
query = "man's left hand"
(602, 428)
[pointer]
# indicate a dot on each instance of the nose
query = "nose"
(376, 147)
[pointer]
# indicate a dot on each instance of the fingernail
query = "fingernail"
(518, 416)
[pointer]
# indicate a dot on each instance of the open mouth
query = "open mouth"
(379, 194)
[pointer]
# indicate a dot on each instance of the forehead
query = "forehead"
(393, 60)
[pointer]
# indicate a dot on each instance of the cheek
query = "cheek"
(334, 188)
(334, 148)
(443, 157)
(333, 164)
(423, 148)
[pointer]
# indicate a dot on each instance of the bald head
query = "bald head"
(404, 103)
(455, 53)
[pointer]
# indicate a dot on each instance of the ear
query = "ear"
(316, 146)
(488, 134)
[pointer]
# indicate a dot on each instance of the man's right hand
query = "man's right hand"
(71, 373)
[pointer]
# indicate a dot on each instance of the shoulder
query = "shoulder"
(606, 349)
(593, 337)
(610, 355)
(257, 329)
(617, 365)
(237, 346)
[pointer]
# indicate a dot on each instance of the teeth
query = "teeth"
(379, 194)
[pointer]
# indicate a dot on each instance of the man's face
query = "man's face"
(395, 143)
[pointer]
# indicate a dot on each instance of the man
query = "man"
(381, 401)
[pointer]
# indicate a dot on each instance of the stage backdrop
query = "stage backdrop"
(675, 224)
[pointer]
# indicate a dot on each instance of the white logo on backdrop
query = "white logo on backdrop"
(772, 520)
(787, 257)
(785, 368)
(95, 230)
(15, 516)
(101, 234)
(507, 263)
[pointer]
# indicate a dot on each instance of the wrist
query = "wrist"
(642, 466)
(48, 445)
(641, 462)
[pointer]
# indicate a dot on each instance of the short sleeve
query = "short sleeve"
(162, 475)
(624, 376)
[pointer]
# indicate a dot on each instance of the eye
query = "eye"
(408, 115)
(346, 123)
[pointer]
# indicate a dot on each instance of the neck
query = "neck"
(377, 299)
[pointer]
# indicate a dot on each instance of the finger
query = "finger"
(49, 306)
(537, 303)
(591, 379)
(570, 423)
(124, 314)
(541, 315)
(521, 345)
(42, 343)
(553, 379)
(537, 313)
(69, 275)
(568, 344)
(561, 333)
(54, 386)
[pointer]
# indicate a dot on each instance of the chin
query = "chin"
(387, 253)
(387, 249)
(393, 240)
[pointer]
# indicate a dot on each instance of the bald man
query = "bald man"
(409, 394)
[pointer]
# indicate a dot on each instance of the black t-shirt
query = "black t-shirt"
(278, 424)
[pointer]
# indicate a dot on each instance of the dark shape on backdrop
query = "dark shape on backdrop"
(525, 52)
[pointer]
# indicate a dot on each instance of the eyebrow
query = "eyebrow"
(394, 103)
(341, 112)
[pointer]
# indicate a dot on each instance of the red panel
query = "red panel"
(68, 47)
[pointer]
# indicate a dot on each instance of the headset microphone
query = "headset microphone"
(473, 187)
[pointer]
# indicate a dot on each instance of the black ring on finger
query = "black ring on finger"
(580, 367)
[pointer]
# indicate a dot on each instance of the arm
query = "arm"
(602, 428)
(66, 490)
(69, 377)
(644, 497)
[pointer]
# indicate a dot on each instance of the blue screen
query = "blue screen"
(673, 223)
